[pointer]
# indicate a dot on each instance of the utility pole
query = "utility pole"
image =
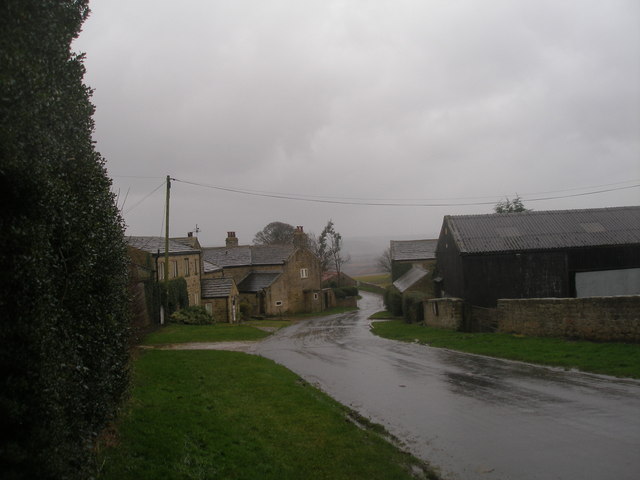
(166, 249)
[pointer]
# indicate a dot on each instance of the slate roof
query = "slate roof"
(254, 282)
(247, 255)
(153, 244)
(403, 250)
(545, 230)
(216, 287)
(209, 267)
(410, 278)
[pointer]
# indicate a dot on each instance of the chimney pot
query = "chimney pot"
(189, 234)
(232, 240)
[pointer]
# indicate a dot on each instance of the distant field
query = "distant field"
(383, 279)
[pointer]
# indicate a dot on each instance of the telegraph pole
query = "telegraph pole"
(166, 249)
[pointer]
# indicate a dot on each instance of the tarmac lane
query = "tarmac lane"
(470, 416)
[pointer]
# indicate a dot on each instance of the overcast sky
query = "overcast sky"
(362, 101)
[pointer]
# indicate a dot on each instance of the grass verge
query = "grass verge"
(208, 414)
(220, 332)
(617, 359)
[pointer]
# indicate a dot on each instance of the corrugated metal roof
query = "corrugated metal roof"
(247, 255)
(410, 278)
(545, 230)
(413, 249)
(153, 244)
(216, 287)
(254, 282)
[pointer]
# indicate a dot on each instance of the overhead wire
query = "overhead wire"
(400, 203)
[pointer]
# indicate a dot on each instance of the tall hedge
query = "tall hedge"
(63, 268)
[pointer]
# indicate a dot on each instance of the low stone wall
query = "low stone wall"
(444, 313)
(596, 318)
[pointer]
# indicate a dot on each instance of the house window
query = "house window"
(209, 308)
(186, 267)
(315, 296)
(304, 273)
(161, 270)
(174, 269)
(279, 303)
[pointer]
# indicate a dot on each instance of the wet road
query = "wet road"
(472, 417)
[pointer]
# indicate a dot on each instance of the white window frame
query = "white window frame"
(174, 269)
(304, 273)
(278, 303)
(186, 267)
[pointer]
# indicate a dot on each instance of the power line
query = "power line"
(145, 197)
(385, 203)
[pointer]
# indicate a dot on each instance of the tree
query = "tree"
(63, 289)
(329, 249)
(384, 261)
(511, 206)
(276, 233)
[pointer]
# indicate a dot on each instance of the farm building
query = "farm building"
(563, 253)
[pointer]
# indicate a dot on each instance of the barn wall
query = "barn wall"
(516, 275)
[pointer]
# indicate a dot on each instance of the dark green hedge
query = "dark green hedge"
(344, 292)
(412, 307)
(63, 288)
(393, 301)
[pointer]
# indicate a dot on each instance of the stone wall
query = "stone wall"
(594, 318)
(444, 313)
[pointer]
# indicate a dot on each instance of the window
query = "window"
(279, 303)
(195, 299)
(209, 308)
(186, 267)
(174, 269)
(161, 270)
(315, 296)
(304, 273)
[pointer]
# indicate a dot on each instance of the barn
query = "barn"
(540, 254)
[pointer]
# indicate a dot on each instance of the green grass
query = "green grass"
(220, 332)
(227, 415)
(618, 359)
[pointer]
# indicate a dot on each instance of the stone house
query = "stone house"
(272, 279)
(413, 264)
(220, 297)
(184, 261)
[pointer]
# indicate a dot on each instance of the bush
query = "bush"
(344, 292)
(245, 310)
(393, 301)
(64, 314)
(412, 308)
(193, 315)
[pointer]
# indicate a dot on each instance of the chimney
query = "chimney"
(232, 240)
(300, 238)
(189, 234)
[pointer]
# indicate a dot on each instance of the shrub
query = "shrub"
(193, 315)
(177, 294)
(245, 310)
(63, 288)
(412, 307)
(393, 301)
(344, 292)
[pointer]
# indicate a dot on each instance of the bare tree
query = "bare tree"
(384, 261)
(330, 249)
